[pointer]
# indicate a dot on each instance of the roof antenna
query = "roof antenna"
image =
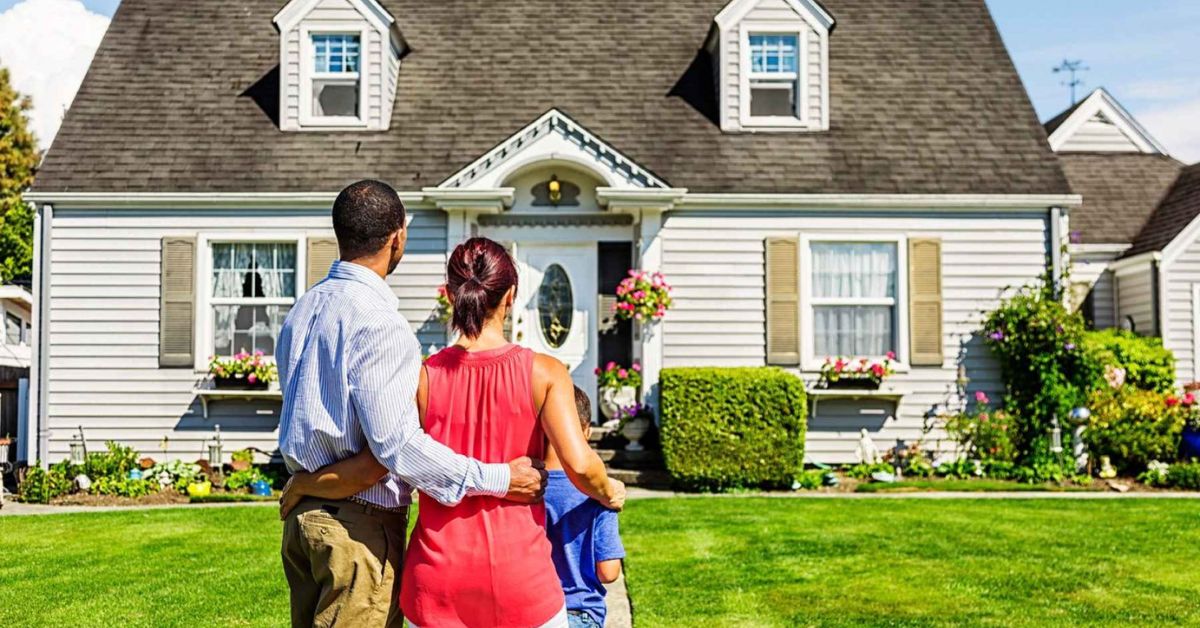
(1073, 67)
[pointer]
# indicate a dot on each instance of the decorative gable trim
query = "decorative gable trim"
(553, 136)
(293, 12)
(811, 11)
(1102, 104)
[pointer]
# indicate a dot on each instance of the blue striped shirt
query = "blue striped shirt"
(349, 366)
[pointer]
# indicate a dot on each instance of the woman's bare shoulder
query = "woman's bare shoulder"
(548, 370)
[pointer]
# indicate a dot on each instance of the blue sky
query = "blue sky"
(1144, 52)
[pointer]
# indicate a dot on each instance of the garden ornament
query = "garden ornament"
(1079, 418)
(164, 479)
(1106, 469)
(867, 452)
(83, 482)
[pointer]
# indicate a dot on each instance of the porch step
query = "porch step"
(645, 478)
(621, 458)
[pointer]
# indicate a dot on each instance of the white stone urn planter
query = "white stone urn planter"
(633, 430)
(613, 399)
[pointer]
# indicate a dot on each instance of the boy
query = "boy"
(584, 540)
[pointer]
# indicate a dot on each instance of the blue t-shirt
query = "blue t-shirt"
(582, 533)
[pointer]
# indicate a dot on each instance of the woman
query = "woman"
(486, 561)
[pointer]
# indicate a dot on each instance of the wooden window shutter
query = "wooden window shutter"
(177, 306)
(783, 301)
(925, 302)
(322, 252)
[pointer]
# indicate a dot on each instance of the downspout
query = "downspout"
(1056, 250)
(40, 358)
(1155, 292)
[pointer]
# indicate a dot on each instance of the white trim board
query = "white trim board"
(1101, 102)
(295, 11)
(812, 12)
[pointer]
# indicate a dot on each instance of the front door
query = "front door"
(556, 307)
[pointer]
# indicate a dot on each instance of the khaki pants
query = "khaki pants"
(343, 563)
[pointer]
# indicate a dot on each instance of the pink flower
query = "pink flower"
(1172, 401)
(981, 397)
(597, 371)
(891, 355)
(637, 367)
(610, 366)
(983, 417)
(622, 373)
(638, 316)
(1189, 399)
(252, 378)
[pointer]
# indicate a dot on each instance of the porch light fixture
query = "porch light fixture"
(555, 189)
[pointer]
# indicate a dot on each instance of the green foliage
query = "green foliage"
(239, 480)
(242, 455)
(181, 473)
(40, 485)
(1144, 360)
(1184, 475)
(123, 487)
(1037, 341)
(961, 469)
(810, 479)
(1133, 427)
(18, 162)
(116, 461)
(983, 433)
(728, 428)
(863, 471)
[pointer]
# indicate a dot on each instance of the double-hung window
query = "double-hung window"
(336, 75)
(855, 291)
(774, 75)
(253, 287)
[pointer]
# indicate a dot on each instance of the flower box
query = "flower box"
(238, 383)
(855, 383)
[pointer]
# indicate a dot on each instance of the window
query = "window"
(253, 287)
(13, 329)
(774, 75)
(855, 291)
(335, 79)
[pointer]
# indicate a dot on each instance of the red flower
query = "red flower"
(1172, 401)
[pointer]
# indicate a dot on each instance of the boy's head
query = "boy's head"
(583, 406)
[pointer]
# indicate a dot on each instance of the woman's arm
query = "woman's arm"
(554, 393)
(607, 571)
(344, 477)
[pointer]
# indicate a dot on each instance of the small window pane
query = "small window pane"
(556, 306)
(12, 329)
(854, 269)
(254, 270)
(335, 98)
(773, 101)
(335, 53)
(854, 330)
(247, 327)
(774, 54)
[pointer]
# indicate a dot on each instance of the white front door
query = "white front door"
(556, 308)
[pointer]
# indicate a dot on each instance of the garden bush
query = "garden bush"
(1185, 475)
(1133, 426)
(728, 428)
(1143, 361)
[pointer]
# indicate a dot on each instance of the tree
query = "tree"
(18, 162)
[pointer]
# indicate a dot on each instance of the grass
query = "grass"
(972, 486)
(722, 561)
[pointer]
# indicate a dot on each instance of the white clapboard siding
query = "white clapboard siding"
(104, 314)
(1179, 279)
(1135, 298)
(1099, 135)
(1090, 270)
(775, 12)
(715, 261)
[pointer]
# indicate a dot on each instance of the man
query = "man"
(349, 366)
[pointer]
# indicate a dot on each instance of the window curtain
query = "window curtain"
(854, 271)
(251, 271)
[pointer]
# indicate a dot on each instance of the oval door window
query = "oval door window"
(556, 305)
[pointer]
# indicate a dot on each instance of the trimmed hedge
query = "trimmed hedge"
(726, 428)
(1148, 365)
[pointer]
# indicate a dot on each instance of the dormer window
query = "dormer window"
(774, 75)
(339, 64)
(336, 82)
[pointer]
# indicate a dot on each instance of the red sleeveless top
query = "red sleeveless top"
(486, 561)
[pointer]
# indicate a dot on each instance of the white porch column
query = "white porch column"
(649, 336)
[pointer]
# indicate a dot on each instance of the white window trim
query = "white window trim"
(801, 119)
(808, 359)
(307, 75)
(203, 340)
(1195, 330)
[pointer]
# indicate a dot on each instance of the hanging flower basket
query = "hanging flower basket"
(643, 296)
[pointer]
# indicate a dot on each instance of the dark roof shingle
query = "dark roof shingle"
(1174, 214)
(924, 99)
(1120, 192)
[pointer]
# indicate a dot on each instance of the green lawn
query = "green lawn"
(723, 561)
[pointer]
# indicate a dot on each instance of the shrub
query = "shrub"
(1184, 475)
(239, 480)
(1144, 362)
(1036, 340)
(863, 471)
(1133, 427)
(983, 433)
(732, 427)
(123, 487)
(42, 485)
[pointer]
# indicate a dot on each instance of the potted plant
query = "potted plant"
(618, 387)
(243, 371)
(861, 373)
(1189, 440)
(635, 422)
(642, 296)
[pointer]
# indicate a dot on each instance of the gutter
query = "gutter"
(1126, 265)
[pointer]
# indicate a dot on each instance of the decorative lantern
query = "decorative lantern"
(1055, 436)
(78, 450)
(4, 442)
(214, 449)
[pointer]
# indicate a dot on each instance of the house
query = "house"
(16, 303)
(845, 177)
(1135, 260)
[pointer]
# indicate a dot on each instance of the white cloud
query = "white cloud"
(1178, 127)
(47, 46)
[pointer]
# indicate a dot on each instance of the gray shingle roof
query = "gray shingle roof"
(924, 99)
(1120, 192)
(1174, 214)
